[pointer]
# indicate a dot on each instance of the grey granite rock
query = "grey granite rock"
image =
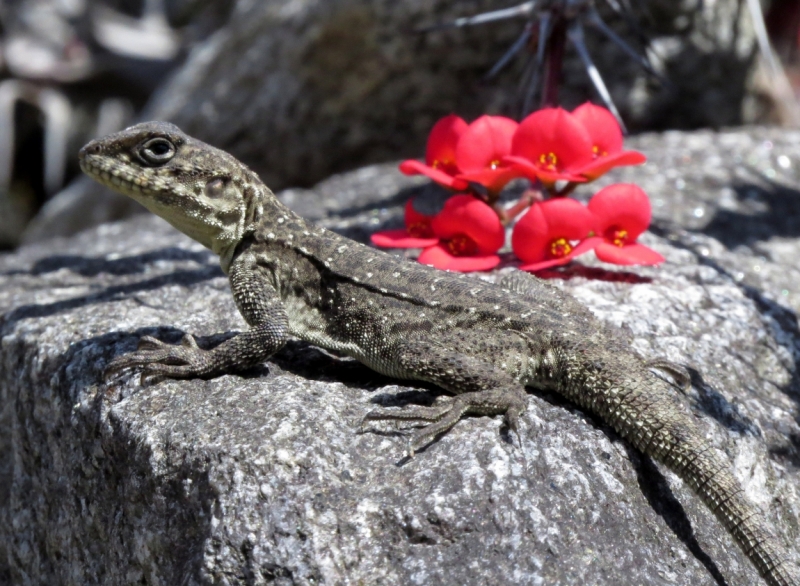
(265, 478)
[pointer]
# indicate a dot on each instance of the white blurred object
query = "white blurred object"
(148, 37)
(778, 82)
(41, 43)
(56, 111)
(31, 58)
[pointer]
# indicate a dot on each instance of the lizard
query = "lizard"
(482, 342)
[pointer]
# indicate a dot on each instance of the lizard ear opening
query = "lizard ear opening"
(216, 187)
(157, 151)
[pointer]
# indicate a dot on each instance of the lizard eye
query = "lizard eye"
(157, 151)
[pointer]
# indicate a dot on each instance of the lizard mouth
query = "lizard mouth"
(112, 174)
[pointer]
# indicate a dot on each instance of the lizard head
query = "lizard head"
(202, 191)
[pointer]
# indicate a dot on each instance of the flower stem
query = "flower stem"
(553, 62)
(568, 188)
(528, 197)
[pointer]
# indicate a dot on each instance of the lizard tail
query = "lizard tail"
(710, 477)
(646, 413)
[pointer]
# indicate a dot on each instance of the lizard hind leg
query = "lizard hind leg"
(480, 386)
(509, 401)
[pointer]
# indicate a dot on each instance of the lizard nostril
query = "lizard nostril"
(93, 148)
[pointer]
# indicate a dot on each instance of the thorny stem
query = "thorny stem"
(553, 63)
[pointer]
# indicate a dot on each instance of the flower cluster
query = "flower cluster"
(554, 149)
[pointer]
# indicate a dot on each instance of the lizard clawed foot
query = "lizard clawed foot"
(159, 359)
(441, 418)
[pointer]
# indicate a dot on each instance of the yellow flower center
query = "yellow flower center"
(618, 236)
(419, 230)
(445, 165)
(494, 164)
(548, 160)
(598, 153)
(560, 247)
(461, 245)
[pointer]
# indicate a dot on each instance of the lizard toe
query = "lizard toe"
(162, 360)
(411, 414)
(121, 363)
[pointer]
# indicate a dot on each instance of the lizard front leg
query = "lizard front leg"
(481, 388)
(261, 307)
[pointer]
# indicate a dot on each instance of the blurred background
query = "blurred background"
(302, 89)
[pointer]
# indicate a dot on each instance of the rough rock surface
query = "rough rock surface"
(265, 478)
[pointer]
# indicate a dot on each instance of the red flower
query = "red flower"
(546, 236)
(440, 154)
(470, 234)
(417, 233)
(606, 137)
(622, 213)
(459, 153)
(463, 237)
(480, 151)
(551, 145)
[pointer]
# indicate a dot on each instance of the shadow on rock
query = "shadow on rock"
(593, 274)
(310, 362)
(113, 293)
(89, 266)
(769, 210)
(714, 404)
(656, 490)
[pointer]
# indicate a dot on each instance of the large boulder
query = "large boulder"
(266, 477)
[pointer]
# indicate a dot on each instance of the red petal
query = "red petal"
(400, 239)
(485, 142)
(586, 245)
(603, 128)
(553, 132)
(413, 167)
(622, 206)
(582, 248)
(533, 172)
(411, 216)
(630, 254)
(548, 221)
(440, 257)
(523, 166)
(546, 264)
(443, 139)
(493, 179)
(464, 214)
(602, 165)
